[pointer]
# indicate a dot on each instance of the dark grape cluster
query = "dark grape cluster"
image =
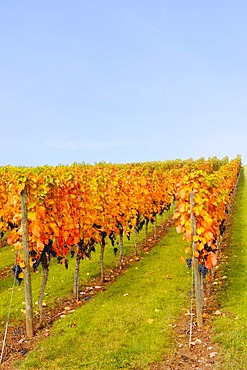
(61, 259)
(189, 262)
(85, 249)
(140, 225)
(17, 270)
(112, 238)
(203, 270)
(222, 227)
(48, 249)
(35, 264)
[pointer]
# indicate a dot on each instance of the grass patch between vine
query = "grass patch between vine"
(129, 325)
(7, 257)
(231, 326)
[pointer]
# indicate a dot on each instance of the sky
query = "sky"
(122, 80)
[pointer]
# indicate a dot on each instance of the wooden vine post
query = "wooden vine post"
(195, 266)
(27, 274)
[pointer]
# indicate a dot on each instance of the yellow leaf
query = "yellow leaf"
(21, 275)
(18, 246)
(196, 254)
(176, 216)
(31, 216)
(196, 238)
(199, 246)
(22, 264)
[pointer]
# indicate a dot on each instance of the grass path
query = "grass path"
(231, 326)
(127, 326)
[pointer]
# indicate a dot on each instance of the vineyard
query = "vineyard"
(58, 222)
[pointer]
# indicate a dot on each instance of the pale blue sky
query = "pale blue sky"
(122, 80)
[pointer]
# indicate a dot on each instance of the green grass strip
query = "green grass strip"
(7, 257)
(231, 327)
(127, 326)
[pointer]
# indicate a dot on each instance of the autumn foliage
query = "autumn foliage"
(86, 204)
(211, 198)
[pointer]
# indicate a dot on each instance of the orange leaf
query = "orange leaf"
(40, 246)
(188, 235)
(35, 229)
(183, 259)
(42, 212)
(199, 246)
(196, 254)
(211, 260)
(12, 238)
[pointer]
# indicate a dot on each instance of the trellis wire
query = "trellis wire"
(191, 306)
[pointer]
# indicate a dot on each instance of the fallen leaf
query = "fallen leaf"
(183, 259)
(218, 312)
(197, 341)
(98, 287)
(188, 313)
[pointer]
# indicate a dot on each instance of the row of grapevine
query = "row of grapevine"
(73, 208)
(203, 201)
(212, 194)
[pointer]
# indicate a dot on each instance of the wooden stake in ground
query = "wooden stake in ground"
(195, 266)
(27, 274)
(121, 246)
